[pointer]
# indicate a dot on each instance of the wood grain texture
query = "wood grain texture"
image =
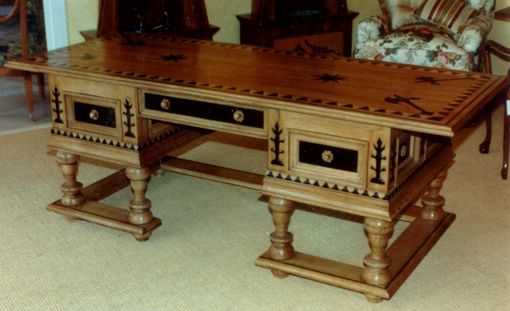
(308, 112)
(426, 99)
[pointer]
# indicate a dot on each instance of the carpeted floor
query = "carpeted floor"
(13, 107)
(202, 258)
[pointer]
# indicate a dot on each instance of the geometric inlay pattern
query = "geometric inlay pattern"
(327, 185)
(112, 142)
(60, 59)
(327, 77)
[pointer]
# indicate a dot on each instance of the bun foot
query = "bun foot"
(71, 218)
(142, 237)
(373, 299)
(279, 274)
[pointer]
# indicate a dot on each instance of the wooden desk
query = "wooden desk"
(340, 136)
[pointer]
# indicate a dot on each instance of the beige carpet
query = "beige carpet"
(202, 258)
(13, 107)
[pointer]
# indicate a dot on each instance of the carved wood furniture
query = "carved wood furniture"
(15, 48)
(494, 48)
(185, 18)
(372, 153)
(320, 28)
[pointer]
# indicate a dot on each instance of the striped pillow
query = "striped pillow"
(451, 15)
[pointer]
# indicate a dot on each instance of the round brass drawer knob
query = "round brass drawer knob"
(327, 156)
(94, 115)
(403, 151)
(165, 103)
(238, 116)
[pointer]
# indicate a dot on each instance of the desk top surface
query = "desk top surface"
(428, 100)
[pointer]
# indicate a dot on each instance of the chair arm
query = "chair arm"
(11, 14)
(474, 33)
(371, 28)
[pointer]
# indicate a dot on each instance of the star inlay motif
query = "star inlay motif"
(327, 77)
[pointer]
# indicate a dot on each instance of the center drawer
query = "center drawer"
(241, 116)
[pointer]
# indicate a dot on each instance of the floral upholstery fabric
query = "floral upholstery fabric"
(10, 41)
(410, 40)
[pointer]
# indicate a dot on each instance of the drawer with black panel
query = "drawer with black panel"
(327, 158)
(98, 115)
(204, 113)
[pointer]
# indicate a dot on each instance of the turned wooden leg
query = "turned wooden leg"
(281, 239)
(40, 83)
(432, 201)
(486, 143)
(506, 141)
(377, 262)
(71, 188)
(29, 95)
(139, 206)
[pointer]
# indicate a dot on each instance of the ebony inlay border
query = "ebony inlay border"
(353, 190)
(113, 142)
(327, 185)
(479, 79)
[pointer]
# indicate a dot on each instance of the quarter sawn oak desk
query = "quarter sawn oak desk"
(363, 138)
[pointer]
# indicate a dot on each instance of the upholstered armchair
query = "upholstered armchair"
(436, 33)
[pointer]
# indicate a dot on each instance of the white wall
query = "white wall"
(55, 23)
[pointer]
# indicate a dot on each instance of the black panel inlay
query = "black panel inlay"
(105, 115)
(56, 100)
(129, 115)
(277, 131)
(379, 148)
(328, 156)
(205, 110)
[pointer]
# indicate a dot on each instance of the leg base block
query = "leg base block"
(108, 216)
(405, 253)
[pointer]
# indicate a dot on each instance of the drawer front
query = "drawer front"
(328, 156)
(94, 114)
(205, 110)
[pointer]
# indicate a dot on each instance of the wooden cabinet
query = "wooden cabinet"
(319, 35)
(186, 18)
